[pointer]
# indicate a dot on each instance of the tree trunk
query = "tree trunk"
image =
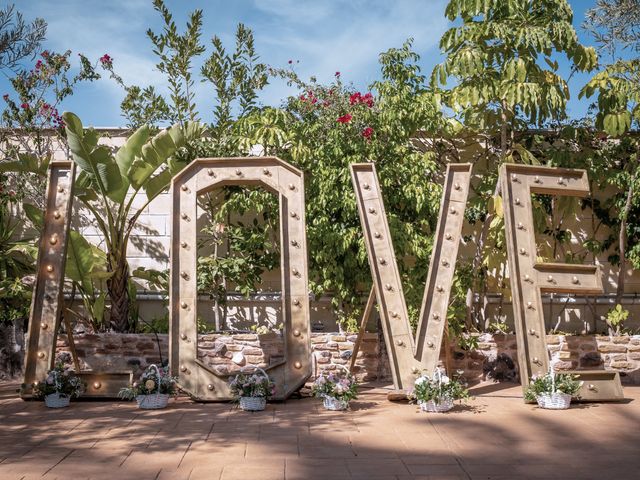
(118, 286)
(622, 245)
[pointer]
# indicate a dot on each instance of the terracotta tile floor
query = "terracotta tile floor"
(494, 436)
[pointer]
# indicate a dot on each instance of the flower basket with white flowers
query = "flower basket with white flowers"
(153, 389)
(438, 392)
(553, 391)
(336, 390)
(252, 389)
(60, 386)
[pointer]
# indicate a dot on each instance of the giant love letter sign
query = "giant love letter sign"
(47, 302)
(529, 277)
(407, 355)
(201, 176)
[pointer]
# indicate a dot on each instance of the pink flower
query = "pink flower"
(106, 60)
(345, 118)
(367, 99)
(367, 132)
(355, 98)
(38, 64)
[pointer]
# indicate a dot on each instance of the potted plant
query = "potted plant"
(153, 389)
(336, 390)
(252, 389)
(553, 391)
(438, 392)
(59, 387)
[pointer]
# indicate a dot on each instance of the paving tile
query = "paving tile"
(272, 469)
(494, 437)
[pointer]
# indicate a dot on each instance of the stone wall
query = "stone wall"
(494, 359)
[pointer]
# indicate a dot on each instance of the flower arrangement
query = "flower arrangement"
(252, 389)
(59, 387)
(153, 388)
(438, 392)
(336, 390)
(553, 390)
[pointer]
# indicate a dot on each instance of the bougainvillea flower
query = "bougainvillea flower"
(106, 60)
(367, 132)
(345, 118)
(355, 98)
(367, 99)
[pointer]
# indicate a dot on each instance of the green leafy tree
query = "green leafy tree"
(617, 90)
(31, 128)
(500, 76)
(176, 54)
(615, 25)
(109, 184)
(496, 57)
(327, 127)
(18, 39)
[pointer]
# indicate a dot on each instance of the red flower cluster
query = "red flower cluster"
(24, 106)
(310, 97)
(367, 132)
(106, 60)
(346, 118)
(357, 98)
(39, 64)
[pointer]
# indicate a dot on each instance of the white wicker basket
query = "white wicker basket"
(554, 401)
(332, 403)
(153, 401)
(445, 405)
(57, 400)
(253, 404)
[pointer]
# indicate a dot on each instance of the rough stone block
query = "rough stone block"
(591, 359)
(623, 365)
(564, 365)
(608, 347)
(252, 351)
(218, 348)
(246, 336)
(553, 339)
(254, 359)
(620, 339)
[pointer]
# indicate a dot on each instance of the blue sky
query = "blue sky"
(324, 36)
